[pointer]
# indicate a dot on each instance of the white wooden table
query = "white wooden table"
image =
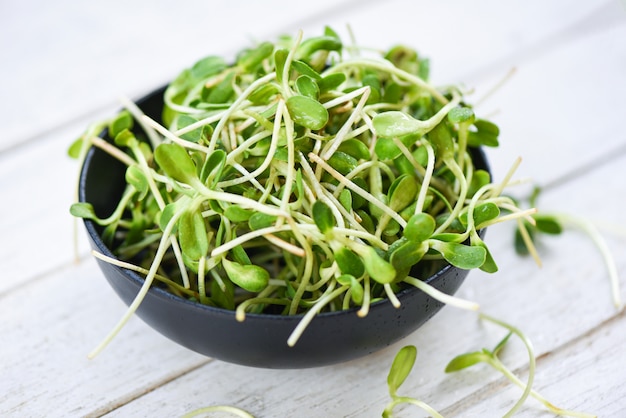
(64, 64)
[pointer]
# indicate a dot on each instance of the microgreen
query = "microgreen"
(398, 372)
(343, 177)
(529, 233)
(491, 358)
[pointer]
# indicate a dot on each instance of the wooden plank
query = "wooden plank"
(48, 328)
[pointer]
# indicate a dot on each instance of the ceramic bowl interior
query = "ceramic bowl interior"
(261, 339)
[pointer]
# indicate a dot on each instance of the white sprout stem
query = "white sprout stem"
(174, 138)
(293, 249)
(441, 296)
(344, 98)
(593, 233)
(286, 90)
(531, 361)
(334, 143)
(243, 201)
(270, 153)
(451, 163)
(365, 306)
(507, 178)
(111, 150)
(350, 185)
(345, 214)
(310, 314)
(391, 295)
(219, 408)
(528, 242)
(225, 116)
(181, 264)
(138, 269)
(430, 168)
(411, 401)
(291, 158)
(517, 214)
(244, 146)
(201, 273)
(138, 115)
(319, 190)
(553, 408)
(132, 308)
(227, 246)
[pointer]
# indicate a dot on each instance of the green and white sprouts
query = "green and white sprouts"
(303, 178)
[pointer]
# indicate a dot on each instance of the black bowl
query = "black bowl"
(261, 339)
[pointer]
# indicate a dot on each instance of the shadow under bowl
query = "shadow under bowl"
(261, 339)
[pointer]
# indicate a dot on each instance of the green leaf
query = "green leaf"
(125, 138)
(402, 192)
(496, 350)
(345, 198)
(479, 179)
(176, 163)
(311, 45)
(355, 148)
(356, 291)
(331, 82)
(307, 112)
(459, 255)
(249, 277)
(342, 162)
(222, 92)
(442, 140)
(192, 235)
(194, 136)
(548, 224)
(419, 227)
(249, 59)
(306, 86)
(213, 167)
(263, 94)
(207, 67)
(240, 255)
(237, 214)
(461, 114)
(484, 133)
(378, 269)
(124, 120)
(408, 254)
(466, 360)
(349, 262)
(280, 58)
(305, 69)
(323, 216)
(261, 220)
(483, 212)
(74, 150)
(489, 266)
(401, 368)
(136, 178)
(83, 210)
(395, 123)
(386, 149)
